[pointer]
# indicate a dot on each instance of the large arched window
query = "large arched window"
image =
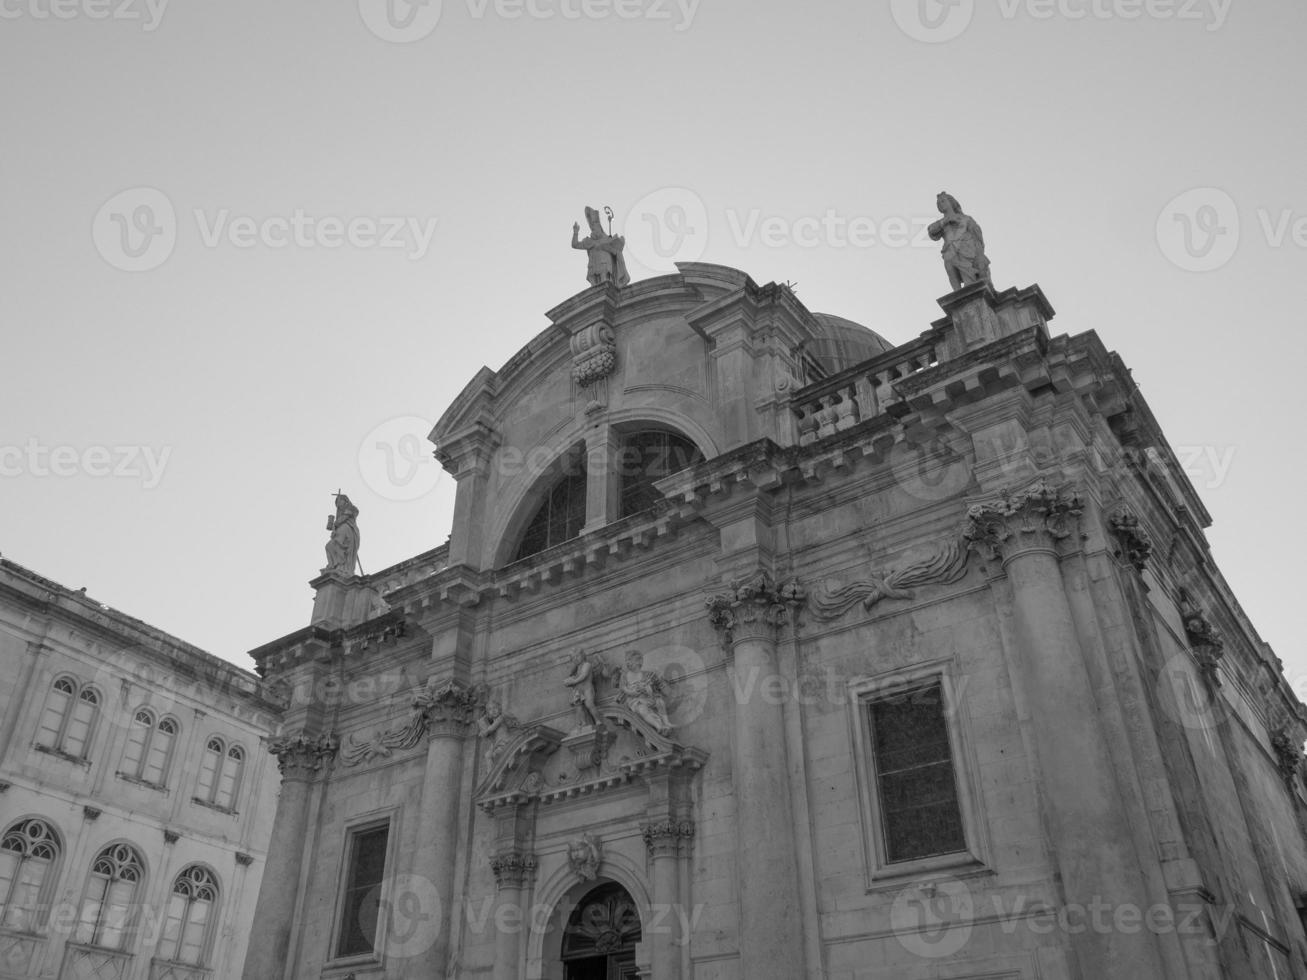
(646, 457)
(220, 774)
(29, 852)
(112, 893)
(560, 517)
(188, 927)
(148, 754)
(68, 721)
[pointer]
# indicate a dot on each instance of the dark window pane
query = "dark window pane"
(560, 518)
(362, 900)
(917, 785)
(646, 457)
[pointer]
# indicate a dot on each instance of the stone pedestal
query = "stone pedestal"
(342, 601)
(300, 758)
(977, 315)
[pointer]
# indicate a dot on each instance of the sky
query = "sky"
(252, 251)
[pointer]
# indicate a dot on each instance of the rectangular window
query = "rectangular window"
(921, 814)
(361, 903)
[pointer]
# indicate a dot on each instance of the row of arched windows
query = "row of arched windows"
(110, 911)
(68, 723)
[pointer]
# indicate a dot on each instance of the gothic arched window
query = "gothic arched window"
(220, 774)
(148, 754)
(646, 457)
(68, 721)
(29, 852)
(113, 891)
(191, 917)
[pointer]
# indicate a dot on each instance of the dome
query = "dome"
(844, 343)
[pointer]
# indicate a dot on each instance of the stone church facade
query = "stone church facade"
(762, 648)
(136, 794)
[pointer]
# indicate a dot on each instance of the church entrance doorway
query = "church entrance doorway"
(600, 937)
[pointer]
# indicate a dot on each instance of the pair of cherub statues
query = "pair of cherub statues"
(643, 691)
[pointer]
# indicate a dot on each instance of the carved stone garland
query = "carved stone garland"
(1288, 756)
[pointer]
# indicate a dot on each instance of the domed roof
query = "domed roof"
(845, 343)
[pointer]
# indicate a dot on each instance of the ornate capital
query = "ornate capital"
(1133, 542)
(303, 755)
(448, 711)
(668, 838)
(754, 608)
(1288, 756)
(513, 870)
(1038, 517)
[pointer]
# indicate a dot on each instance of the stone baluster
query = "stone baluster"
(748, 617)
(300, 757)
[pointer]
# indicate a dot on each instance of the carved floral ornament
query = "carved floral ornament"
(1204, 639)
(513, 870)
(1288, 755)
(1040, 515)
(594, 354)
(1133, 543)
(668, 838)
(303, 754)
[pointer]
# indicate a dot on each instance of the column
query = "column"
(449, 712)
(771, 931)
(300, 758)
(1089, 835)
(668, 843)
(513, 870)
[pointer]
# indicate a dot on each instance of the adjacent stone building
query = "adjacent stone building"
(764, 649)
(136, 794)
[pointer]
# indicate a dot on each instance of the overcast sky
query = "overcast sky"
(251, 240)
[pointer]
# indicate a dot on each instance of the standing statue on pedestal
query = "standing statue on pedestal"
(605, 252)
(343, 548)
(964, 243)
(643, 692)
(582, 682)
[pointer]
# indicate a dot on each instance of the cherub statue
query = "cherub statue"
(495, 726)
(964, 243)
(605, 252)
(343, 547)
(643, 691)
(586, 668)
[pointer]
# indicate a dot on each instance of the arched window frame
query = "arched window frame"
(571, 468)
(28, 879)
(230, 766)
(195, 888)
(61, 737)
(157, 728)
(681, 452)
(109, 911)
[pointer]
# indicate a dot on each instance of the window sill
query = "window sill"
(76, 760)
(229, 811)
(341, 966)
(963, 863)
(145, 783)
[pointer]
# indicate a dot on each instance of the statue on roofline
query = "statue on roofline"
(964, 243)
(343, 546)
(604, 250)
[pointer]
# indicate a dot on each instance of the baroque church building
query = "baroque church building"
(762, 649)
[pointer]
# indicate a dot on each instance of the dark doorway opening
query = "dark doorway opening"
(599, 941)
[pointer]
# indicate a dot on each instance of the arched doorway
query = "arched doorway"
(600, 936)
